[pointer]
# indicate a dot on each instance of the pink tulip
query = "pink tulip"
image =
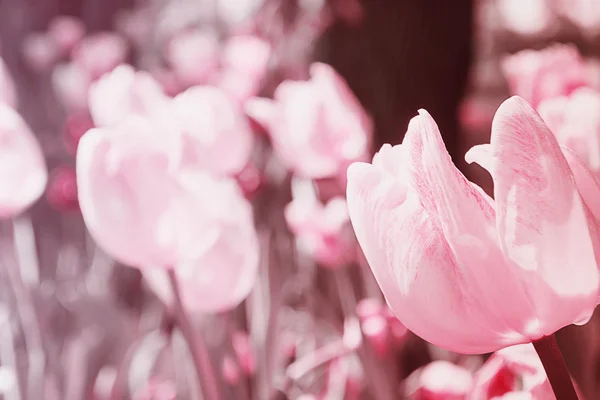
(136, 204)
(62, 189)
(514, 369)
(194, 56)
(71, 84)
(536, 75)
(223, 271)
(235, 12)
(526, 17)
(575, 120)
(244, 65)
(67, 32)
(424, 228)
(318, 127)
(40, 51)
(100, 53)
(216, 134)
(124, 92)
(322, 230)
(442, 380)
(23, 173)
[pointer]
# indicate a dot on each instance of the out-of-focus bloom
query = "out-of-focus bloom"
(243, 66)
(40, 51)
(136, 204)
(193, 56)
(318, 127)
(62, 189)
(224, 269)
(526, 17)
(8, 93)
(71, 85)
(539, 74)
(124, 92)
(514, 369)
(100, 53)
(76, 125)
(216, 134)
(66, 31)
(575, 120)
(323, 231)
(235, 12)
(442, 380)
(424, 228)
(583, 13)
(23, 173)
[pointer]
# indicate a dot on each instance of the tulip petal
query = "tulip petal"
(412, 262)
(542, 221)
(465, 217)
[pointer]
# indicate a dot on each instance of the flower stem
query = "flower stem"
(195, 342)
(556, 369)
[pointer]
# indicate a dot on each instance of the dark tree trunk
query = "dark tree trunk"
(408, 54)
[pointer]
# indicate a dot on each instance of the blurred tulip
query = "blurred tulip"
(244, 65)
(323, 231)
(62, 189)
(67, 32)
(23, 173)
(216, 134)
(100, 53)
(40, 52)
(71, 85)
(514, 369)
(123, 92)
(536, 75)
(575, 120)
(224, 269)
(194, 56)
(135, 204)
(442, 380)
(318, 127)
(8, 94)
(424, 228)
(526, 17)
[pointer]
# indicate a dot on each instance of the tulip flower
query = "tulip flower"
(67, 32)
(322, 230)
(100, 53)
(446, 255)
(8, 94)
(194, 56)
(575, 121)
(123, 92)
(527, 17)
(223, 272)
(510, 370)
(146, 211)
(71, 84)
(244, 65)
(216, 134)
(442, 380)
(539, 74)
(318, 127)
(23, 173)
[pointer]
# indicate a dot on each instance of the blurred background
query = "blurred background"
(75, 324)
